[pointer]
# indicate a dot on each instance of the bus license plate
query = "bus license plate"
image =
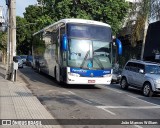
(91, 81)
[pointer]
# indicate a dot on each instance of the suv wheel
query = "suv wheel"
(147, 90)
(124, 83)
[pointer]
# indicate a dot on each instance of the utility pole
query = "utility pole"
(11, 46)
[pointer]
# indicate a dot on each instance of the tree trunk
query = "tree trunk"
(144, 37)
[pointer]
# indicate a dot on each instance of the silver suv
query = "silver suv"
(143, 75)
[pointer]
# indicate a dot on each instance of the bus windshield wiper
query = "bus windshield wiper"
(98, 62)
(84, 59)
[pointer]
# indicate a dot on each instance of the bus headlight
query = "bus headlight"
(73, 74)
(107, 75)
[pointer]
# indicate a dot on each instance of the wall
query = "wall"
(152, 41)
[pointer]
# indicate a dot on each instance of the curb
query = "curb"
(22, 78)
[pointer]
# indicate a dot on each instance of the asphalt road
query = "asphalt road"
(92, 102)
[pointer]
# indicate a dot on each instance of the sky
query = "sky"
(20, 6)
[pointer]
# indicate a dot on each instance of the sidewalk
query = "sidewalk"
(17, 102)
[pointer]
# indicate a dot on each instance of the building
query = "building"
(1, 17)
(155, 11)
(152, 43)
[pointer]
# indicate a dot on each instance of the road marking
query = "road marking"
(72, 92)
(129, 107)
(81, 97)
(102, 107)
(137, 126)
(141, 100)
(105, 108)
(88, 101)
(129, 95)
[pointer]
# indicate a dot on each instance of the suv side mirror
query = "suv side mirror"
(141, 71)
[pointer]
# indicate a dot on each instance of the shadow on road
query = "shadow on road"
(155, 99)
(34, 76)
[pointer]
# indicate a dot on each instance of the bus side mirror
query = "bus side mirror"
(64, 43)
(119, 44)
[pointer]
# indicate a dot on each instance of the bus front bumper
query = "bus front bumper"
(89, 80)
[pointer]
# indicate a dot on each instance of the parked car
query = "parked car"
(20, 61)
(40, 63)
(24, 58)
(36, 62)
(142, 75)
(116, 76)
(29, 60)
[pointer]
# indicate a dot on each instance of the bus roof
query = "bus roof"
(64, 21)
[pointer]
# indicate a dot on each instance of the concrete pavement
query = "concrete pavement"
(18, 102)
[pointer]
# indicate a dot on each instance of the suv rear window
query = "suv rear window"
(134, 66)
(127, 67)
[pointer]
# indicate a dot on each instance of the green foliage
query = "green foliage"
(22, 35)
(32, 15)
(21, 30)
(33, 21)
(43, 21)
(3, 41)
(112, 12)
(3, 46)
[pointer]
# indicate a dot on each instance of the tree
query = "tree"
(145, 10)
(22, 35)
(32, 15)
(27, 26)
(35, 14)
(3, 46)
(139, 25)
(108, 11)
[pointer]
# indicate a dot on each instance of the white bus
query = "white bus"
(75, 51)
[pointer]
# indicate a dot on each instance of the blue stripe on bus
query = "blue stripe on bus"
(90, 73)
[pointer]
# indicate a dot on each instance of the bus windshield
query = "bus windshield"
(89, 54)
(88, 31)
